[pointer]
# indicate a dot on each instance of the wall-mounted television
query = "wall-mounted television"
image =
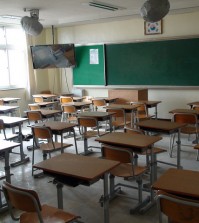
(53, 56)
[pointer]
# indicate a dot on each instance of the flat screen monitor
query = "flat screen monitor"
(53, 56)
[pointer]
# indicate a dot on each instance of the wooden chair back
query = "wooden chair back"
(33, 107)
(122, 155)
(87, 122)
(177, 209)
(34, 116)
(64, 99)
(1, 102)
(185, 118)
(98, 103)
(38, 99)
(21, 199)
(69, 109)
(42, 132)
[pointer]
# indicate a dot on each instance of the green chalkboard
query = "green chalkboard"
(86, 73)
(170, 63)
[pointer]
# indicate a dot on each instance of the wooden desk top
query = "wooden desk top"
(57, 125)
(149, 103)
(46, 112)
(8, 108)
(12, 120)
(45, 95)
(77, 104)
(77, 166)
(8, 99)
(181, 110)
(123, 106)
(95, 114)
(194, 103)
(159, 125)
(4, 145)
(128, 140)
(44, 103)
(179, 182)
(107, 99)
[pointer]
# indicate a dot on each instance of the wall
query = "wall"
(174, 26)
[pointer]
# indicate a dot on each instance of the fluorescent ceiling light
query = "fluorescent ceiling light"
(106, 6)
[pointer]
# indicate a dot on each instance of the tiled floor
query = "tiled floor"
(84, 201)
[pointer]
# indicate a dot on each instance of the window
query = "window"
(13, 63)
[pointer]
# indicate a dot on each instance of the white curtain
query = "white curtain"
(31, 81)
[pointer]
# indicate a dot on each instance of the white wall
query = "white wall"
(174, 26)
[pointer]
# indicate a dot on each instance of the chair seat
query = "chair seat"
(125, 170)
(47, 147)
(188, 130)
(156, 150)
(49, 214)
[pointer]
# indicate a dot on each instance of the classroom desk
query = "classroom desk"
(99, 116)
(45, 104)
(48, 113)
(79, 105)
(188, 111)
(46, 96)
(151, 104)
(127, 109)
(179, 182)
(195, 103)
(107, 99)
(167, 127)
(59, 128)
(137, 143)
(12, 122)
(8, 100)
(5, 148)
(73, 170)
(7, 109)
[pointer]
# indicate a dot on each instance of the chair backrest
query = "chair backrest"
(1, 102)
(118, 112)
(141, 109)
(34, 116)
(87, 122)
(112, 153)
(42, 132)
(21, 199)
(33, 107)
(64, 99)
(97, 103)
(69, 109)
(177, 209)
(38, 99)
(2, 127)
(185, 118)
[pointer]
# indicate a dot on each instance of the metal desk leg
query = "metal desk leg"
(23, 159)
(75, 141)
(106, 199)
(179, 151)
(59, 195)
(152, 178)
(7, 167)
